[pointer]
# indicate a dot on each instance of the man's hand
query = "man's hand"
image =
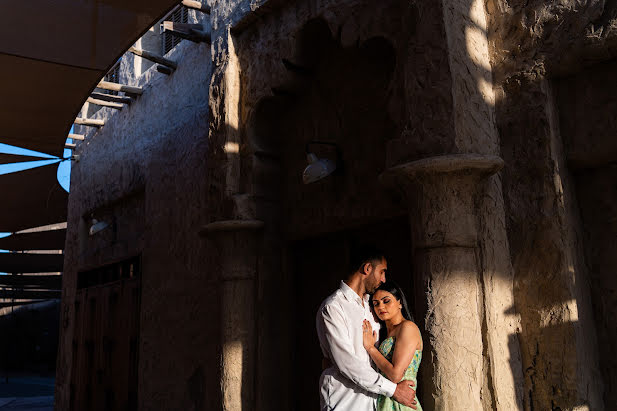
(404, 394)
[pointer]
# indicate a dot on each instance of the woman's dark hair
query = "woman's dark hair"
(393, 288)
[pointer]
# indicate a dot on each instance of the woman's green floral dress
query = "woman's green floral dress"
(387, 403)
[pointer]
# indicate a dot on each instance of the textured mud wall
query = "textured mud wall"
(472, 88)
(563, 36)
(551, 285)
(532, 43)
(146, 169)
(354, 59)
(557, 334)
(410, 122)
(585, 101)
(377, 81)
(344, 95)
(390, 85)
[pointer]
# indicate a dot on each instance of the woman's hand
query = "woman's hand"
(369, 337)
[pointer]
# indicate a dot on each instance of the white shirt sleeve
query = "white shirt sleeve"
(351, 366)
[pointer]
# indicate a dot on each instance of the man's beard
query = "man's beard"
(372, 287)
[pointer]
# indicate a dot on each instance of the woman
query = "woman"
(400, 351)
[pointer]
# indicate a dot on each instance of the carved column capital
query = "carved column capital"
(441, 196)
(454, 164)
(442, 200)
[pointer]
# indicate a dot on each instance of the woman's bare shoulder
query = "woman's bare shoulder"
(408, 327)
(409, 333)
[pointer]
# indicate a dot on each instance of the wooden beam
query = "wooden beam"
(183, 27)
(102, 103)
(196, 36)
(70, 145)
(111, 97)
(164, 69)
(108, 85)
(89, 122)
(77, 136)
(195, 5)
(154, 57)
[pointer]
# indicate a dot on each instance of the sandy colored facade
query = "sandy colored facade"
(476, 147)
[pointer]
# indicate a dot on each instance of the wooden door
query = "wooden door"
(106, 339)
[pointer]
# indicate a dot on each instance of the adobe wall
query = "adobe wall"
(545, 121)
(585, 102)
(389, 91)
(145, 170)
(356, 57)
(226, 142)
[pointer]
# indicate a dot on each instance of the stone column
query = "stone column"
(441, 194)
(236, 244)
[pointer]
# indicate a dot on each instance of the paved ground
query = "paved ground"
(27, 394)
(27, 404)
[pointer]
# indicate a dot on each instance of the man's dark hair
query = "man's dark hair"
(362, 254)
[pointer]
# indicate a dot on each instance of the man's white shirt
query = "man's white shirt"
(351, 383)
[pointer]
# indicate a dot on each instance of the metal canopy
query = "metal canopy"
(53, 281)
(19, 303)
(29, 295)
(39, 240)
(31, 263)
(31, 198)
(55, 53)
(15, 158)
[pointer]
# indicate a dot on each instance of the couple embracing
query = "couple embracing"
(364, 324)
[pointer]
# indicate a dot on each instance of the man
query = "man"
(350, 383)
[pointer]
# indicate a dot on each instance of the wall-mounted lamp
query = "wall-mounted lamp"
(97, 226)
(318, 168)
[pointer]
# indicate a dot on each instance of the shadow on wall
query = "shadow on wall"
(549, 274)
(335, 101)
(553, 131)
(337, 94)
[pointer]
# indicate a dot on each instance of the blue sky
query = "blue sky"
(64, 168)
